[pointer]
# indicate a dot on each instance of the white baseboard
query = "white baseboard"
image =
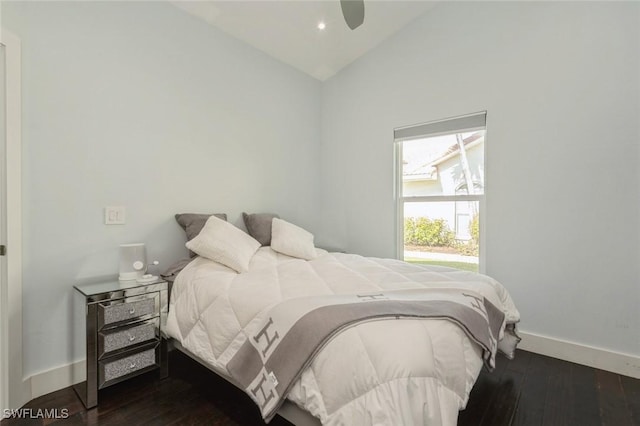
(56, 378)
(603, 359)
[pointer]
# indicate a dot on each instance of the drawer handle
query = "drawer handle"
(132, 338)
(132, 311)
(132, 365)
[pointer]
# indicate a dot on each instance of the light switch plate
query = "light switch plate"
(114, 215)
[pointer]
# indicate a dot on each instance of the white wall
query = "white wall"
(139, 104)
(560, 82)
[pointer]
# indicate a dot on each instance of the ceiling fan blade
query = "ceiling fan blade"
(353, 12)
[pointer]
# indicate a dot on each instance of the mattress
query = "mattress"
(383, 372)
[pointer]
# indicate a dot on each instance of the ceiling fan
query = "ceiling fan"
(353, 12)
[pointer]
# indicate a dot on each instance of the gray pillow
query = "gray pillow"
(173, 271)
(192, 223)
(259, 226)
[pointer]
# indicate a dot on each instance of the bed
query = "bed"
(394, 365)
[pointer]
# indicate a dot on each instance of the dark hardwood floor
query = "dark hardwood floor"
(530, 390)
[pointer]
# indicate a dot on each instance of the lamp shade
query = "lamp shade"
(133, 261)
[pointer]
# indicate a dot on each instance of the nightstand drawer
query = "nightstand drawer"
(118, 328)
(123, 337)
(121, 368)
(112, 312)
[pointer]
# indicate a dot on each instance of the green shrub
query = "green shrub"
(422, 231)
(474, 229)
(468, 248)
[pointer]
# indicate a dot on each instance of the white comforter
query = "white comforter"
(390, 372)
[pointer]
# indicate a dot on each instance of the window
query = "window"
(440, 191)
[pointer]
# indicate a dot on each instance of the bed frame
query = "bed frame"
(289, 411)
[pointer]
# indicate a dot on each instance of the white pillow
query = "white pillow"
(289, 239)
(222, 242)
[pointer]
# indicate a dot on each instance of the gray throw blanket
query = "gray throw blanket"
(294, 331)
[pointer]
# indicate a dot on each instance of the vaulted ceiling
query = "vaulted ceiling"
(288, 29)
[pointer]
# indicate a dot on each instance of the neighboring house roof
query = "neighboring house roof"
(428, 170)
(422, 172)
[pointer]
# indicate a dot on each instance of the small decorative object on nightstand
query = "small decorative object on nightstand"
(133, 261)
(118, 330)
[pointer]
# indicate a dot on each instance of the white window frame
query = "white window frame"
(441, 127)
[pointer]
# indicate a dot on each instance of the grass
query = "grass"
(473, 267)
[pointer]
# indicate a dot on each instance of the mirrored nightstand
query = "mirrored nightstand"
(118, 327)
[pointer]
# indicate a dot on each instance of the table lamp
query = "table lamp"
(133, 261)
